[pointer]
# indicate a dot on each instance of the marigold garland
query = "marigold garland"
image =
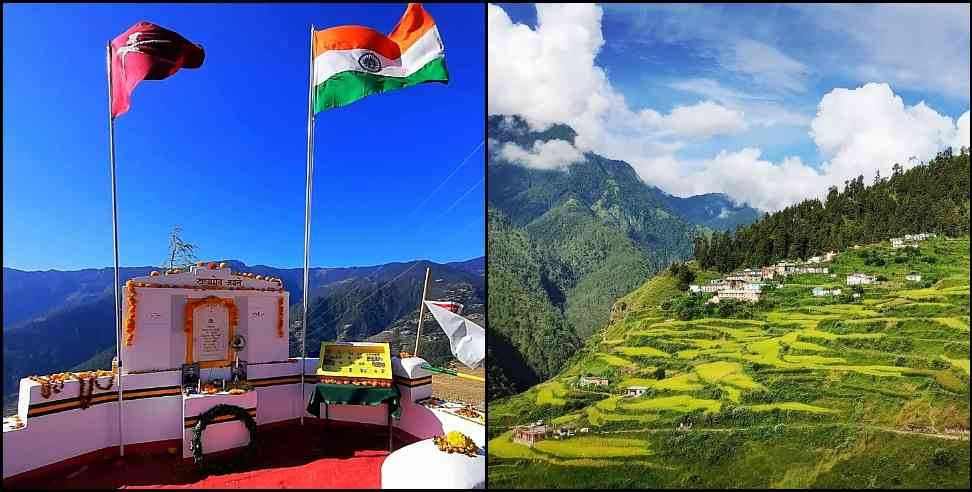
(456, 442)
(131, 313)
(280, 317)
(55, 383)
(130, 319)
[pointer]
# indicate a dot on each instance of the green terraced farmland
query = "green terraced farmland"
(803, 392)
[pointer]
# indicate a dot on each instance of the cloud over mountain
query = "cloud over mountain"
(550, 74)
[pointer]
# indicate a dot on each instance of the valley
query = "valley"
(564, 244)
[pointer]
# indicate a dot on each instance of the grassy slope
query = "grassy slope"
(811, 393)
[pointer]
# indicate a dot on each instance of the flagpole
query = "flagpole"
(425, 290)
(307, 219)
(114, 229)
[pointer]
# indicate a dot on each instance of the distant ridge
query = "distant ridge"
(55, 321)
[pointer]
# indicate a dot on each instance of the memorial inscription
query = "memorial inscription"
(211, 335)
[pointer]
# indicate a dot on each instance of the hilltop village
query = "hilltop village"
(747, 285)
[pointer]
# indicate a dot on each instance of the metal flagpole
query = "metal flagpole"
(425, 290)
(114, 228)
(307, 219)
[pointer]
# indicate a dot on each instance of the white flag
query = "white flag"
(453, 306)
(466, 339)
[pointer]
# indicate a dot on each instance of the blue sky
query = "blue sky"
(769, 103)
(221, 149)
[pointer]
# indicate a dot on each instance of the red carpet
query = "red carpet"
(340, 456)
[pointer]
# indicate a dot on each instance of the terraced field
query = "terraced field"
(809, 392)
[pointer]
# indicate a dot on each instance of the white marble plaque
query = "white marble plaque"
(210, 333)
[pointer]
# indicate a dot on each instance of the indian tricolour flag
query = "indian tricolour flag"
(351, 62)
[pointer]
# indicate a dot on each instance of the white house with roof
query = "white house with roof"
(635, 391)
(913, 277)
(822, 292)
(860, 279)
(738, 294)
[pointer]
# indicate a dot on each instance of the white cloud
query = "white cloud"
(870, 128)
(921, 46)
(962, 139)
(714, 90)
(744, 175)
(766, 64)
(548, 75)
(858, 131)
(705, 119)
(762, 110)
(552, 154)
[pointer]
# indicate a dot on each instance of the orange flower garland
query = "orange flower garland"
(133, 303)
(280, 317)
(130, 319)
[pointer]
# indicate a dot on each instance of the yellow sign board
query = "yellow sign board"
(355, 360)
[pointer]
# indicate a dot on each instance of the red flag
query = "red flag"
(147, 51)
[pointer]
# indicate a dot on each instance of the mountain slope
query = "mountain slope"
(592, 232)
(67, 321)
(27, 295)
(795, 392)
(525, 325)
(364, 306)
(715, 211)
(932, 197)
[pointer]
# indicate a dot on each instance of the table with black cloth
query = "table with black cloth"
(349, 394)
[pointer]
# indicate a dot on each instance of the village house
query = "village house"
(913, 277)
(528, 435)
(563, 433)
(826, 257)
(798, 270)
(754, 286)
(860, 279)
(584, 381)
(742, 278)
(910, 240)
(635, 391)
(821, 292)
(768, 273)
(714, 286)
(738, 294)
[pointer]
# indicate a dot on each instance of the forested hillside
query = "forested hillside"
(565, 243)
(932, 197)
(529, 338)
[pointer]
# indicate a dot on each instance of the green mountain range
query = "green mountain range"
(866, 387)
(565, 243)
(63, 320)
